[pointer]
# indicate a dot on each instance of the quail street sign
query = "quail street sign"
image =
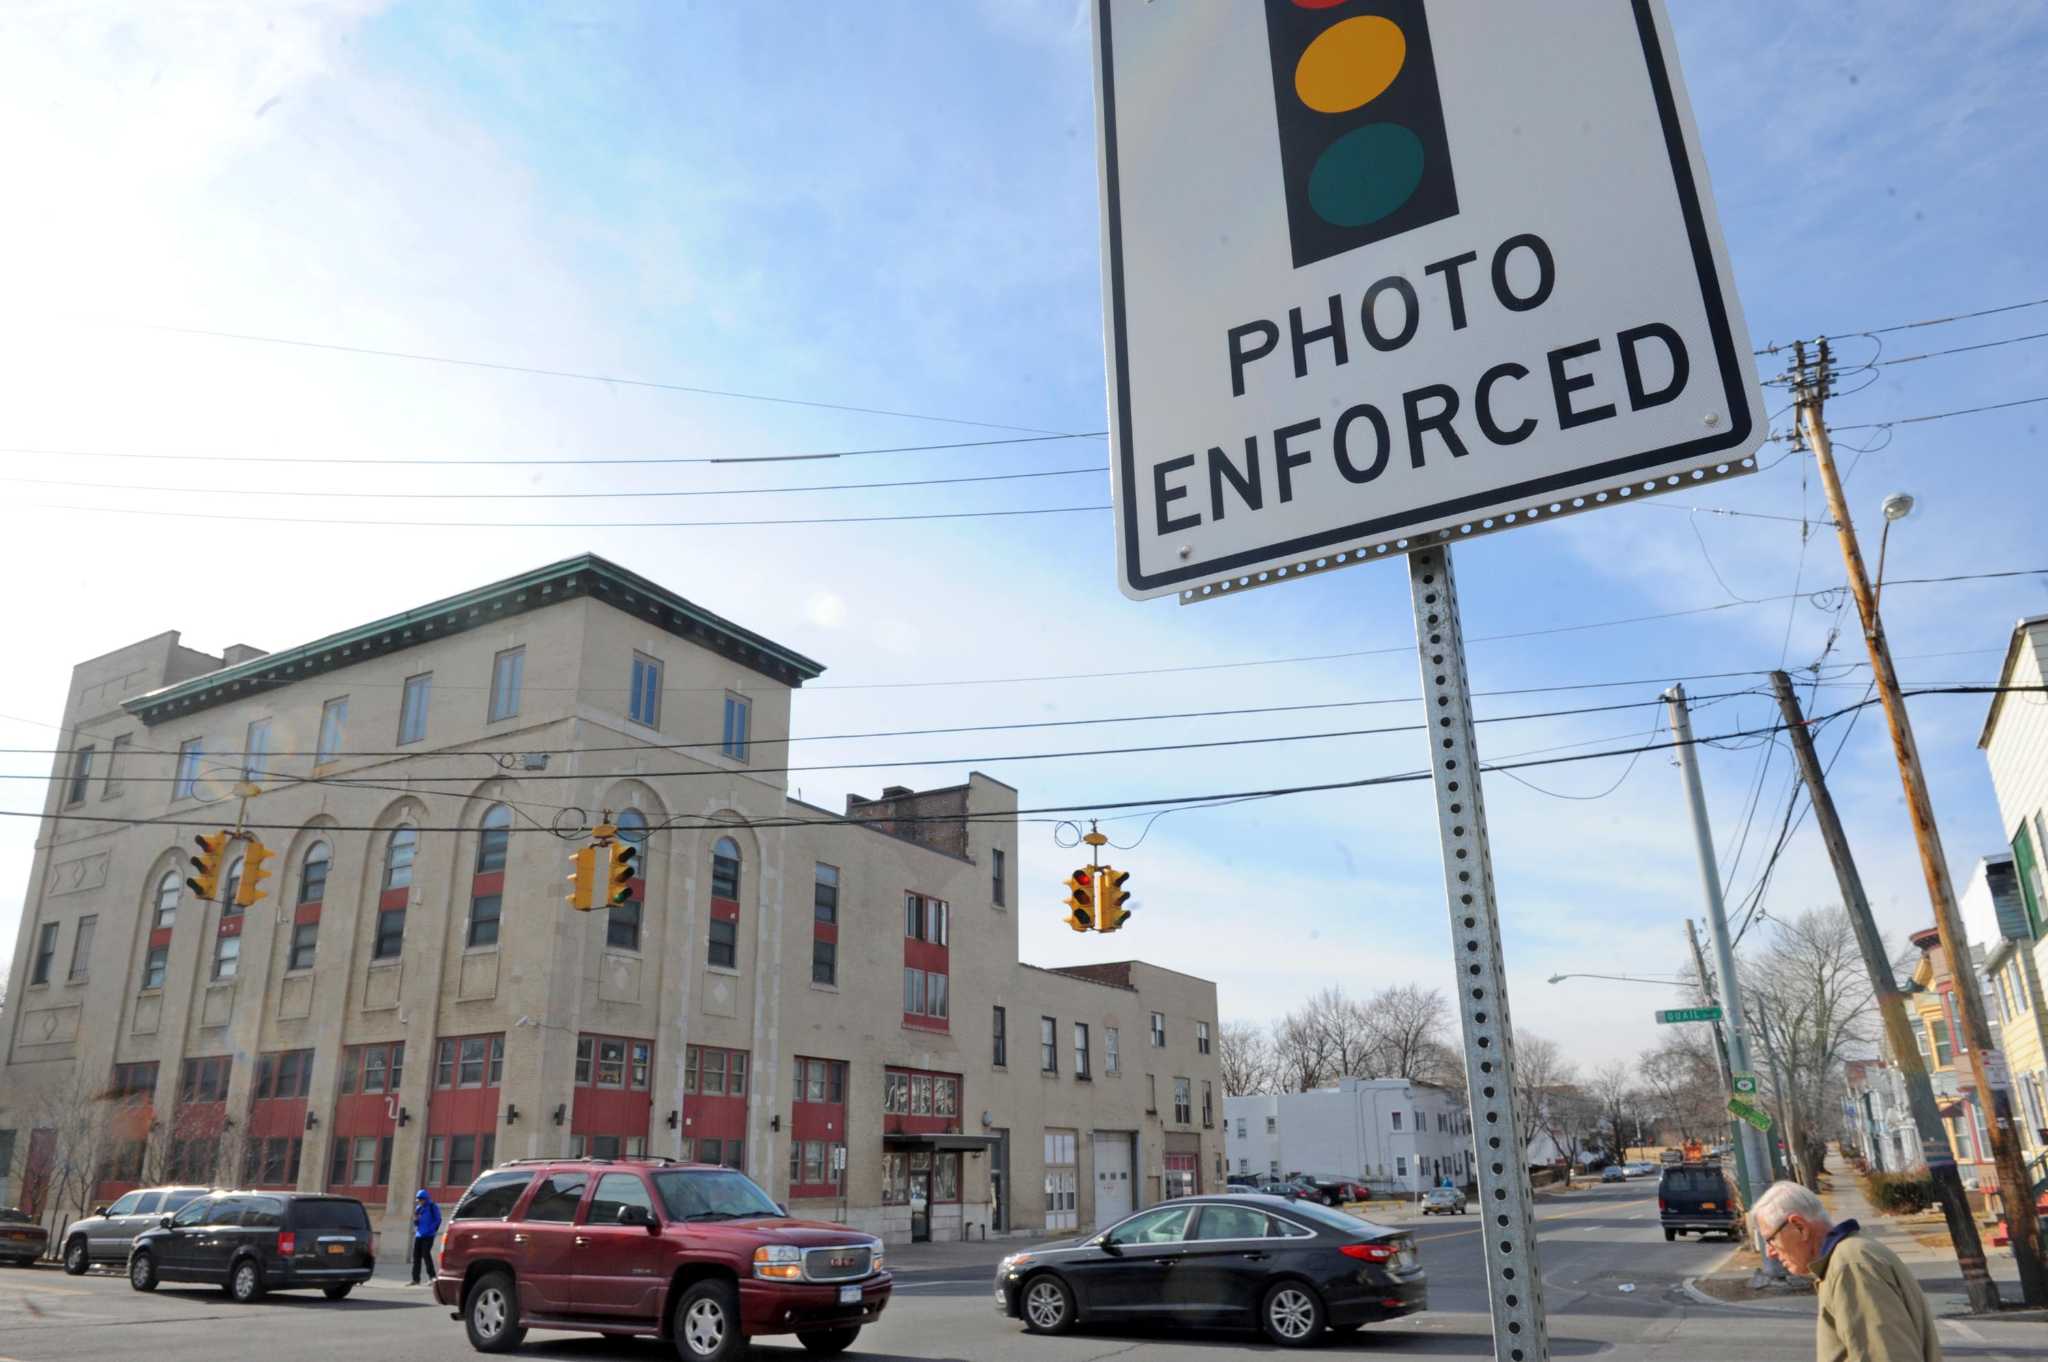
(1688, 1014)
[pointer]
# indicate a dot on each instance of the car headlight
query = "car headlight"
(878, 1260)
(779, 1262)
(1015, 1260)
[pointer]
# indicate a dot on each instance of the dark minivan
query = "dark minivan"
(1695, 1198)
(248, 1243)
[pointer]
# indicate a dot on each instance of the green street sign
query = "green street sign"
(1745, 1085)
(1688, 1014)
(1743, 1111)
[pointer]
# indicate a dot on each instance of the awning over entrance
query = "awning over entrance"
(943, 1144)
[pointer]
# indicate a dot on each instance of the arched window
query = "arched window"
(313, 873)
(398, 854)
(622, 929)
(487, 889)
(167, 891)
(496, 838)
(725, 905)
(230, 885)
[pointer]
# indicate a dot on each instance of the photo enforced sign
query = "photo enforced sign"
(1378, 269)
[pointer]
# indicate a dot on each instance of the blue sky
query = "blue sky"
(893, 206)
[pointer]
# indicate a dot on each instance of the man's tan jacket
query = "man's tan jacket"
(1871, 1309)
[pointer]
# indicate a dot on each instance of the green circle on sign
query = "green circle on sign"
(1365, 175)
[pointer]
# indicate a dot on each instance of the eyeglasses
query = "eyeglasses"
(1771, 1239)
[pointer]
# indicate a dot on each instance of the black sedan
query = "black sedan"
(1292, 1268)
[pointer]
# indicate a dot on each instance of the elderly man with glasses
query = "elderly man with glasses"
(1871, 1309)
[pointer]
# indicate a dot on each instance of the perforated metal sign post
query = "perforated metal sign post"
(1378, 270)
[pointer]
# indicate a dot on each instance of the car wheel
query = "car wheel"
(245, 1282)
(707, 1323)
(75, 1259)
(142, 1272)
(338, 1292)
(828, 1342)
(1670, 1235)
(1291, 1314)
(1047, 1305)
(491, 1314)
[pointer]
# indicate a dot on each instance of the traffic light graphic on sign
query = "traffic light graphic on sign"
(1363, 151)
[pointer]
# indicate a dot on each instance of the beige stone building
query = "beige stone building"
(831, 1001)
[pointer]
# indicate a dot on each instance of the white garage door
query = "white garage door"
(1112, 1178)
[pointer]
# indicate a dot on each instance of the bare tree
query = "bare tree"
(1613, 1093)
(1301, 1054)
(1409, 1026)
(1811, 1005)
(1247, 1058)
(1681, 1081)
(1541, 1074)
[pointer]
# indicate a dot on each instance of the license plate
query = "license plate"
(337, 1248)
(1405, 1259)
(1710, 1205)
(849, 1295)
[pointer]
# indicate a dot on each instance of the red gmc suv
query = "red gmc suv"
(696, 1254)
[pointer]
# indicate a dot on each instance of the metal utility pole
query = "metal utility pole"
(2014, 1190)
(1891, 1005)
(1735, 1127)
(1746, 1168)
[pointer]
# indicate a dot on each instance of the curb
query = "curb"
(1760, 1307)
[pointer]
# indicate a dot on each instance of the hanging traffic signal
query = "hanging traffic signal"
(1113, 898)
(255, 870)
(206, 866)
(582, 878)
(618, 882)
(1363, 151)
(1081, 899)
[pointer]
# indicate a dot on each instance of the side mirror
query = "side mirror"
(633, 1215)
(1111, 1247)
(780, 1206)
(165, 1222)
(99, 1210)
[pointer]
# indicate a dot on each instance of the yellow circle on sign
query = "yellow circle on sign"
(1350, 64)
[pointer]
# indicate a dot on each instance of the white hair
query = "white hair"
(1783, 1199)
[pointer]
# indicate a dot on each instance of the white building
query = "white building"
(1394, 1133)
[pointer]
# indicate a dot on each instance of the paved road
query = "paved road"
(1593, 1243)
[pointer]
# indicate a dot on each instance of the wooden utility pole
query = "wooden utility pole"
(1891, 1005)
(1812, 388)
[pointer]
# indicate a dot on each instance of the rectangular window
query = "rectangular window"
(1183, 1106)
(1273, 1124)
(81, 946)
(134, 1080)
(153, 966)
(737, 716)
(363, 1164)
(724, 948)
(1201, 1038)
(390, 942)
(204, 1080)
(1110, 1060)
(643, 705)
(825, 962)
(185, 783)
(46, 952)
(1944, 1053)
(997, 862)
(1208, 1105)
(1397, 1120)
(1158, 1030)
(227, 956)
(333, 724)
(412, 712)
(622, 926)
(81, 775)
(508, 678)
(1151, 1094)
(1401, 1165)
(484, 911)
(611, 1064)
(110, 784)
(305, 938)
(825, 893)
(1081, 1050)
(935, 998)
(1000, 1030)
(256, 751)
(913, 990)
(470, 1062)
(1048, 1045)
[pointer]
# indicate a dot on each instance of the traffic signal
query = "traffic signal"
(1081, 899)
(618, 881)
(206, 866)
(1363, 152)
(1113, 898)
(582, 878)
(255, 870)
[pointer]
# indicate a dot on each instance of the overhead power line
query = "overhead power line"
(1916, 325)
(559, 524)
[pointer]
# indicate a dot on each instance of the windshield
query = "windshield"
(712, 1194)
(11, 1214)
(1332, 1218)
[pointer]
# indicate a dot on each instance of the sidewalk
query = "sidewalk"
(1933, 1266)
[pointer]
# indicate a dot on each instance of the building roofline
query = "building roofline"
(2012, 657)
(585, 575)
(1099, 964)
(1077, 978)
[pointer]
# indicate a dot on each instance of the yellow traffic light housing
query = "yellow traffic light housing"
(1112, 898)
(207, 865)
(255, 870)
(618, 881)
(582, 878)
(1081, 899)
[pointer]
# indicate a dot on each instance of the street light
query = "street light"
(1897, 506)
(1623, 978)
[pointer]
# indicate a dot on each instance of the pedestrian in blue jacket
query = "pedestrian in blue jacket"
(426, 1222)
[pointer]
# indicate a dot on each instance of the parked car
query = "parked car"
(1694, 1198)
(109, 1232)
(252, 1242)
(1338, 1189)
(1641, 1168)
(1309, 1188)
(1443, 1201)
(1290, 1268)
(1244, 1180)
(688, 1252)
(1292, 1191)
(1614, 1172)
(22, 1240)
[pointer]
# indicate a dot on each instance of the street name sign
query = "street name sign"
(1745, 1085)
(1743, 1111)
(1690, 1014)
(1388, 273)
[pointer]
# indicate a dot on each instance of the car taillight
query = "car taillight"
(1371, 1253)
(287, 1242)
(1661, 1207)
